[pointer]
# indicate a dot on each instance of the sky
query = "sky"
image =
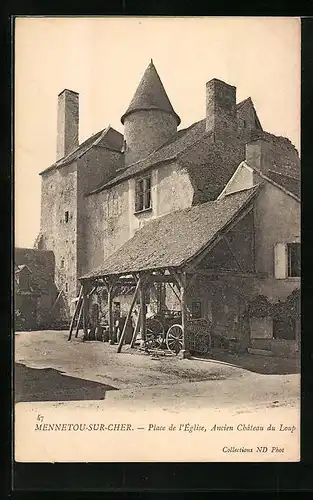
(103, 58)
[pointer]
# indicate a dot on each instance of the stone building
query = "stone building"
(102, 194)
(37, 300)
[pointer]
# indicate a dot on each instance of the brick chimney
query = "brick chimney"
(68, 123)
(221, 111)
(258, 155)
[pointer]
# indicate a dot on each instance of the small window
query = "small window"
(66, 287)
(196, 310)
(287, 260)
(143, 194)
(62, 263)
(66, 216)
(294, 259)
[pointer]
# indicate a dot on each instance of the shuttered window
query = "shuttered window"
(287, 260)
(294, 259)
(280, 260)
(143, 194)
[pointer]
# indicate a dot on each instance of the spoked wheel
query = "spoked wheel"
(155, 334)
(174, 338)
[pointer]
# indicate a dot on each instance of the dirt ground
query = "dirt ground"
(49, 368)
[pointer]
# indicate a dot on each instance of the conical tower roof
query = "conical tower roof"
(150, 94)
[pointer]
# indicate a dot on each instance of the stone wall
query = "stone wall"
(95, 168)
(110, 218)
(277, 220)
(58, 204)
(145, 131)
(221, 111)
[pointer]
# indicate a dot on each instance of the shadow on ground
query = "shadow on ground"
(49, 384)
(259, 364)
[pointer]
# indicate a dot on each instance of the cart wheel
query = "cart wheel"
(174, 338)
(155, 333)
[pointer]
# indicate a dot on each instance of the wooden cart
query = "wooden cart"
(169, 334)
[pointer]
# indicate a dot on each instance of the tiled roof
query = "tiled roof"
(19, 268)
(197, 150)
(168, 151)
(150, 94)
(244, 104)
(104, 138)
(289, 183)
(175, 238)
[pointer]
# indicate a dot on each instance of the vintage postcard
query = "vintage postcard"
(157, 231)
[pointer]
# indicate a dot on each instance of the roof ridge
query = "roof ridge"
(124, 175)
(284, 174)
(150, 94)
(66, 159)
(271, 181)
(241, 103)
(200, 226)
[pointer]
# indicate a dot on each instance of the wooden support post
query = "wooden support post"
(92, 292)
(184, 352)
(136, 330)
(143, 311)
(128, 316)
(55, 302)
(182, 281)
(85, 313)
(110, 286)
(178, 296)
(74, 315)
(79, 319)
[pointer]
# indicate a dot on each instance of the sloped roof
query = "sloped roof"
(175, 238)
(103, 138)
(289, 183)
(19, 268)
(246, 103)
(168, 151)
(202, 156)
(150, 94)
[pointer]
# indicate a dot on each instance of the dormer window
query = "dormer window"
(143, 194)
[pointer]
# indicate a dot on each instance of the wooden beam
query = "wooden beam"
(183, 309)
(75, 314)
(92, 291)
(176, 293)
(136, 330)
(85, 313)
(154, 278)
(110, 289)
(232, 252)
(231, 273)
(143, 311)
(55, 302)
(201, 254)
(119, 348)
(79, 319)
(177, 276)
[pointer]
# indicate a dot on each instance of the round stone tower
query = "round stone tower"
(150, 119)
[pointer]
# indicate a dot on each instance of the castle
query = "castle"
(99, 194)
